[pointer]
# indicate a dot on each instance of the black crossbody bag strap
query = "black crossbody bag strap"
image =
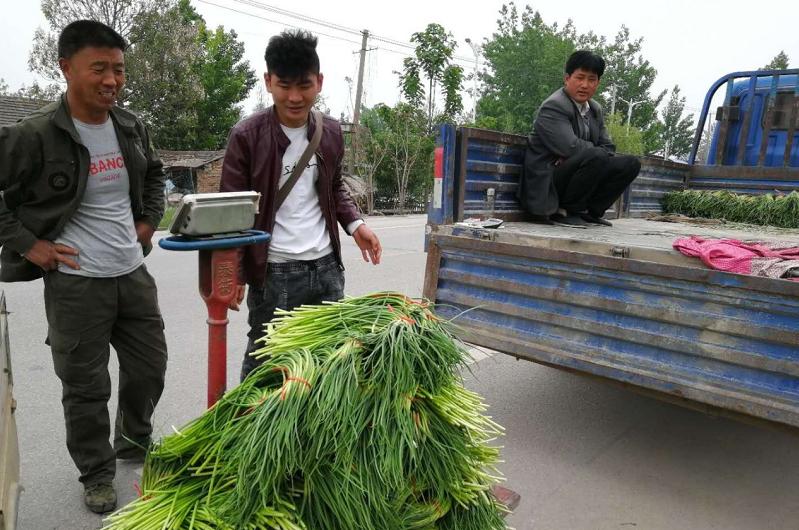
(302, 163)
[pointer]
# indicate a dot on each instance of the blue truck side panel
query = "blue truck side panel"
(489, 162)
(721, 339)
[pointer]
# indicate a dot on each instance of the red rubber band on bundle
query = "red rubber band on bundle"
(299, 379)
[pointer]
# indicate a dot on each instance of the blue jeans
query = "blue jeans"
(287, 286)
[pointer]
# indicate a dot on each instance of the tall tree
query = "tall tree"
(225, 76)
(406, 165)
(435, 47)
(779, 62)
(164, 85)
(524, 60)
(183, 78)
(676, 131)
(374, 139)
(119, 14)
(632, 77)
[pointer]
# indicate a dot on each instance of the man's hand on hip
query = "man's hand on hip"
(47, 255)
(368, 243)
(144, 233)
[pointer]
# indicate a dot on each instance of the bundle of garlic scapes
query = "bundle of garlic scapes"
(357, 419)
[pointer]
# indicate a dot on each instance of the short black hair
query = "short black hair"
(292, 55)
(84, 33)
(587, 60)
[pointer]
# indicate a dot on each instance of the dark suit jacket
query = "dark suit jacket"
(555, 136)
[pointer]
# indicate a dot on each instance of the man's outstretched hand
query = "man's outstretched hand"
(235, 304)
(47, 255)
(368, 243)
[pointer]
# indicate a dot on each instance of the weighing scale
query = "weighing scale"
(217, 225)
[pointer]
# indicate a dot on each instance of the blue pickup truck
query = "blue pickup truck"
(619, 303)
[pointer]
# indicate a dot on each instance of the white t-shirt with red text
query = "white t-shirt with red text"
(102, 228)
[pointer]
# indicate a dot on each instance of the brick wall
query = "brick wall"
(208, 177)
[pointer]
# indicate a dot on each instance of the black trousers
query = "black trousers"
(592, 180)
(288, 286)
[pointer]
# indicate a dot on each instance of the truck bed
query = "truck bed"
(619, 303)
(643, 239)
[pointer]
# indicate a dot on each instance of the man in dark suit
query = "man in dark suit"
(571, 171)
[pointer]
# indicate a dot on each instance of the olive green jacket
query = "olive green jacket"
(44, 168)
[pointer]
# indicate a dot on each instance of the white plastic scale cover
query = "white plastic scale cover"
(208, 214)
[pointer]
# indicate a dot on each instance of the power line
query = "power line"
(300, 16)
(331, 25)
(283, 23)
(466, 64)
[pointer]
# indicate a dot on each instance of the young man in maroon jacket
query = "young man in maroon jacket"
(302, 262)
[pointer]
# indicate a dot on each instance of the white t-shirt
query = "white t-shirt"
(102, 228)
(300, 232)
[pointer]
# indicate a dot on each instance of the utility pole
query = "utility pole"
(359, 90)
(476, 50)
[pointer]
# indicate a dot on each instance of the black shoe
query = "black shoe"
(541, 220)
(594, 220)
(100, 498)
(574, 221)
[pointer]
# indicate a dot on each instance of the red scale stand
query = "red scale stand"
(219, 267)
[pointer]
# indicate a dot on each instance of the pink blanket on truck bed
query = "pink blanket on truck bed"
(759, 258)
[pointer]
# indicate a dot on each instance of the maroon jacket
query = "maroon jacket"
(254, 160)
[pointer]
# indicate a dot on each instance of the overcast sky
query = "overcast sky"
(690, 43)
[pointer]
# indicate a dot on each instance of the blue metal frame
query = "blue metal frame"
(445, 144)
(729, 79)
(184, 243)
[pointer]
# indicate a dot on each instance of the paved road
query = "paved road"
(584, 455)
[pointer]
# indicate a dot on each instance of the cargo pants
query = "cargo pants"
(85, 316)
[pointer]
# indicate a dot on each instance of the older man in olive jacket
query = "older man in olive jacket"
(82, 194)
(570, 163)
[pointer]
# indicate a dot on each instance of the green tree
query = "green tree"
(372, 150)
(119, 14)
(628, 140)
(432, 57)
(524, 59)
(398, 138)
(632, 77)
(164, 85)
(226, 79)
(779, 62)
(676, 131)
(185, 80)
(49, 92)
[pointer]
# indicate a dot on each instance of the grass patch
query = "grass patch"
(169, 213)
(764, 210)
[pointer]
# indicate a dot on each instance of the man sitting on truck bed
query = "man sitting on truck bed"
(570, 164)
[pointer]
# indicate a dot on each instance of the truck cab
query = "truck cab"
(759, 113)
